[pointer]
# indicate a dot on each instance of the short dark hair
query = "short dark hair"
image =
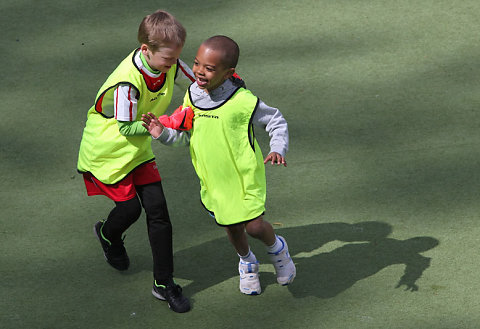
(228, 47)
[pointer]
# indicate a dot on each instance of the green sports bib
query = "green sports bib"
(228, 160)
(104, 152)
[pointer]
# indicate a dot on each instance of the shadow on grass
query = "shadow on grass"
(367, 250)
(364, 249)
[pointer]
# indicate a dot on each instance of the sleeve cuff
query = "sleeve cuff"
(163, 136)
(278, 149)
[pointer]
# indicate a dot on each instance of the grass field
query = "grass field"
(381, 186)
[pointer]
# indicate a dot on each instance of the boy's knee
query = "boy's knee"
(157, 209)
(255, 228)
(131, 208)
(235, 230)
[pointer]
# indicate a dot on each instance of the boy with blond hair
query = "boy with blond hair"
(228, 159)
(116, 157)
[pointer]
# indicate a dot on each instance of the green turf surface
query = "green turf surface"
(382, 184)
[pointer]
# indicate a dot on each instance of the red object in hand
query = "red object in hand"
(181, 119)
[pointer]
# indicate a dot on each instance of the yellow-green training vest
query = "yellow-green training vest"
(104, 152)
(228, 160)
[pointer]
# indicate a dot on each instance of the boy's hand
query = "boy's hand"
(151, 123)
(275, 158)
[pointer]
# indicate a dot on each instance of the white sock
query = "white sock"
(249, 257)
(276, 247)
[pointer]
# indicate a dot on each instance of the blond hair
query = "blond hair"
(160, 29)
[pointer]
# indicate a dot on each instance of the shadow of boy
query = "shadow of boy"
(367, 251)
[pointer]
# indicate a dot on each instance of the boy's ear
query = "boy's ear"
(229, 73)
(146, 51)
(144, 48)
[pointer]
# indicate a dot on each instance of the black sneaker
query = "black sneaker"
(115, 254)
(172, 293)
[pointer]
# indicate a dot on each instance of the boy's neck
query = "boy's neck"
(145, 63)
(218, 96)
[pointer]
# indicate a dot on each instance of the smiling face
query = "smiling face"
(209, 68)
(162, 59)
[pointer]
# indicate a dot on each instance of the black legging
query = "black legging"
(159, 227)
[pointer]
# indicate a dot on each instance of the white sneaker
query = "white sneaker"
(283, 263)
(249, 278)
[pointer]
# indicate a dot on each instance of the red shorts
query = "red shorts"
(125, 189)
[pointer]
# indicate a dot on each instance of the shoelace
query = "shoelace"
(176, 290)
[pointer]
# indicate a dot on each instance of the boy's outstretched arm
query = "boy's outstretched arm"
(272, 120)
(275, 158)
(152, 124)
(164, 134)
